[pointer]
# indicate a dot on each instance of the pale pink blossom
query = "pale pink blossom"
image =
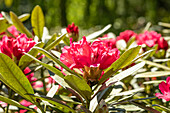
(152, 38)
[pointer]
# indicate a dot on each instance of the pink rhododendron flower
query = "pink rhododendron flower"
(82, 53)
(162, 44)
(25, 103)
(30, 77)
(1, 15)
(111, 43)
(152, 38)
(126, 35)
(165, 89)
(91, 58)
(13, 31)
(15, 47)
(73, 32)
(3, 104)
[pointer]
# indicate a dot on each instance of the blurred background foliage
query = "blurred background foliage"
(87, 14)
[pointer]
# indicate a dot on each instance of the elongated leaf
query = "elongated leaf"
(46, 53)
(24, 17)
(37, 21)
(153, 82)
(153, 74)
(4, 25)
(79, 85)
(13, 102)
(125, 73)
(56, 102)
(154, 48)
(19, 25)
(7, 17)
(51, 68)
(13, 77)
(124, 60)
(25, 60)
(97, 33)
(163, 107)
(156, 65)
(131, 40)
(53, 38)
(64, 84)
(55, 43)
(144, 107)
(130, 92)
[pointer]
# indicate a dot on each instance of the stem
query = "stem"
(44, 85)
(10, 94)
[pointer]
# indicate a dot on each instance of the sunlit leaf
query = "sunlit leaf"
(50, 56)
(51, 68)
(4, 25)
(25, 60)
(53, 101)
(79, 85)
(24, 17)
(125, 73)
(153, 74)
(156, 65)
(19, 25)
(13, 102)
(37, 21)
(55, 43)
(144, 107)
(13, 77)
(124, 60)
(97, 33)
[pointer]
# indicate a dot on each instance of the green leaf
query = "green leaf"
(24, 17)
(154, 48)
(25, 60)
(56, 102)
(144, 107)
(79, 85)
(7, 17)
(97, 33)
(50, 56)
(53, 38)
(63, 83)
(125, 73)
(153, 82)
(13, 77)
(124, 60)
(13, 102)
(37, 21)
(4, 25)
(156, 65)
(55, 43)
(152, 74)
(131, 40)
(19, 25)
(51, 68)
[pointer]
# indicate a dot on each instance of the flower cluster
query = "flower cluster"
(73, 32)
(152, 38)
(90, 57)
(126, 35)
(15, 47)
(165, 89)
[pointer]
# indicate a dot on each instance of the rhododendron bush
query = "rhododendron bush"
(68, 73)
